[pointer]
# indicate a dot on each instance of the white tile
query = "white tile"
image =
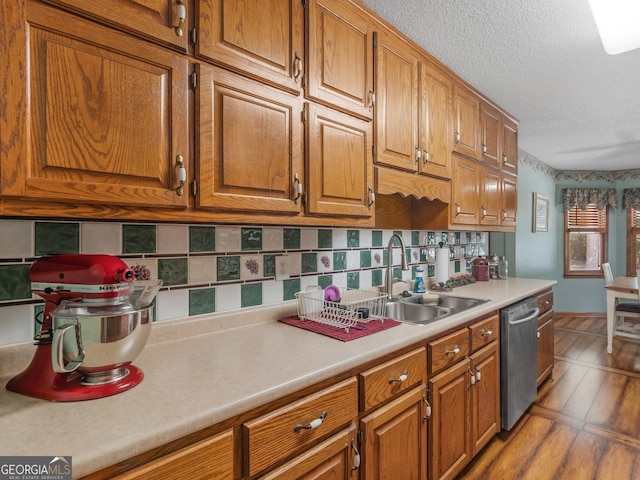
(172, 239)
(101, 237)
(272, 239)
(17, 238)
(353, 259)
(202, 269)
(377, 257)
(228, 297)
(17, 324)
(172, 304)
(228, 239)
(365, 278)
(366, 239)
(272, 291)
(251, 267)
(340, 279)
(308, 281)
(339, 238)
(295, 263)
(325, 262)
(308, 238)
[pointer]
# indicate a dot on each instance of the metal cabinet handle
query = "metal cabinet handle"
(182, 15)
(426, 157)
(504, 214)
(182, 174)
(427, 408)
(457, 137)
(356, 456)
(478, 375)
(314, 423)
(455, 351)
(484, 211)
(418, 155)
(487, 333)
(505, 159)
(372, 100)
(457, 209)
(372, 197)
(401, 378)
(298, 188)
(472, 377)
(484, 148)
(297, 67)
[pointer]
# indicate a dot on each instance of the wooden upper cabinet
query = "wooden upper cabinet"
(509, 161)
(250, 142)
(396, 103)
(339, 166)
(435, 122)
(155, 20)
(490, 125)
(466, 122)
(340, 57)
(490, 196)
(264, 40)
(465, 191)
(107, 116)
(509, 188)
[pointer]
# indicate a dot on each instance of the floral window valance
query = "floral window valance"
(631, 198)
(581, 197)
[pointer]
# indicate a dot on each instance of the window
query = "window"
(585, 241)
(633, 241)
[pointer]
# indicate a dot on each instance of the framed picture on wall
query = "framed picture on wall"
(540, 213)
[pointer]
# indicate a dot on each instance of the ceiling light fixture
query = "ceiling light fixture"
(618, 22)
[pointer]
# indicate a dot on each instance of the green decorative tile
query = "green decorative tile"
(376, 278)
(269, 265)
(54, 238)
(291, 238)
(365, 258)
(202, 239)
(309, 262)
(251, 239)
(456, 238)
(325, 280)
(397, 272)
(339, 260)
(415, 238)
(290, 287)
(138, 238)
(413, 271)
(228, 268)
(353, 238)
(325, 238)
(353, 280)
(456, 266)
(173, 271)
(376, 238)
(202, 300)
(407, 254)
(423, 255)
(251, 294)
(14, 282)
(431, 270)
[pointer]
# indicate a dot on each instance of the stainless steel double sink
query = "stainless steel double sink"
(412, 309)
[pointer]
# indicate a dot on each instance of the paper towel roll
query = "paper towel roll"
(442, 264)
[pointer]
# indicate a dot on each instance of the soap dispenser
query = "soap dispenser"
(418, 285)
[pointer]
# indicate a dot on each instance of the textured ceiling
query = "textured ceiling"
(542, 61)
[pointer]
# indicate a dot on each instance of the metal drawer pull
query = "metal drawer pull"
(478, 374)
(182, 175)
(401, 378)
(427, 410)
(487, 333)
(455, 351)
(473, 377)
(298, 188)
(356, 456)
(372, 197)
(182, 15)
(314, 423)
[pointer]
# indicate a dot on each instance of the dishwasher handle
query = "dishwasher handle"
(526, 319)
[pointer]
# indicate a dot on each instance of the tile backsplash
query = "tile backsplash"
(216, 268)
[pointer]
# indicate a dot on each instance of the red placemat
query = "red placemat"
(361, 330)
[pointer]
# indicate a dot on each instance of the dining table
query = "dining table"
(621, 287)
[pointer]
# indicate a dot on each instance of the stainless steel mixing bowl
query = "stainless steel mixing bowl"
(98, 341)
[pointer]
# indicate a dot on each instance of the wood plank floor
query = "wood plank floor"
(584, 423)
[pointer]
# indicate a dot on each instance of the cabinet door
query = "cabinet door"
(249, 144)
(333, 459)
(485, 396)
(435, 122)
(466, 107)
(465, 191)
(395, 440)
(396, 103)
(545, 345)
(509, 146)
(490, 196)
(339, 168)
(490, 127)
(509, 200)
(340, 63)
(210, 458)
(156, 20)
(262, 39)
(108, 116)
(450, 422)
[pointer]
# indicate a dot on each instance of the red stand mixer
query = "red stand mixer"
(91, 296)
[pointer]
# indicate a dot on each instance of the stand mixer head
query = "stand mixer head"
(87, 294)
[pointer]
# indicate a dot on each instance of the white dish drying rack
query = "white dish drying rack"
(345, 313)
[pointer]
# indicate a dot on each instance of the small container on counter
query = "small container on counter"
(480, 269)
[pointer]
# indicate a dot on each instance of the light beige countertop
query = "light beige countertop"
(243, 359)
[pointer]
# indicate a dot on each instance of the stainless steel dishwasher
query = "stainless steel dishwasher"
(518, 359)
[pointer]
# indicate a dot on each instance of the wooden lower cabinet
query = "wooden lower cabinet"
(545, 346)
(485, 396)
(395, 440)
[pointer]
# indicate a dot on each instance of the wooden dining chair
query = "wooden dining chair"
(628, 311)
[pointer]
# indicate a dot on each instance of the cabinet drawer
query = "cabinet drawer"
(545, 301)
(448, 350)
(483, 332)
(281, 433)
(384, 381)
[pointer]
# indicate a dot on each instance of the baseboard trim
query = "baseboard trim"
(581, 314)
